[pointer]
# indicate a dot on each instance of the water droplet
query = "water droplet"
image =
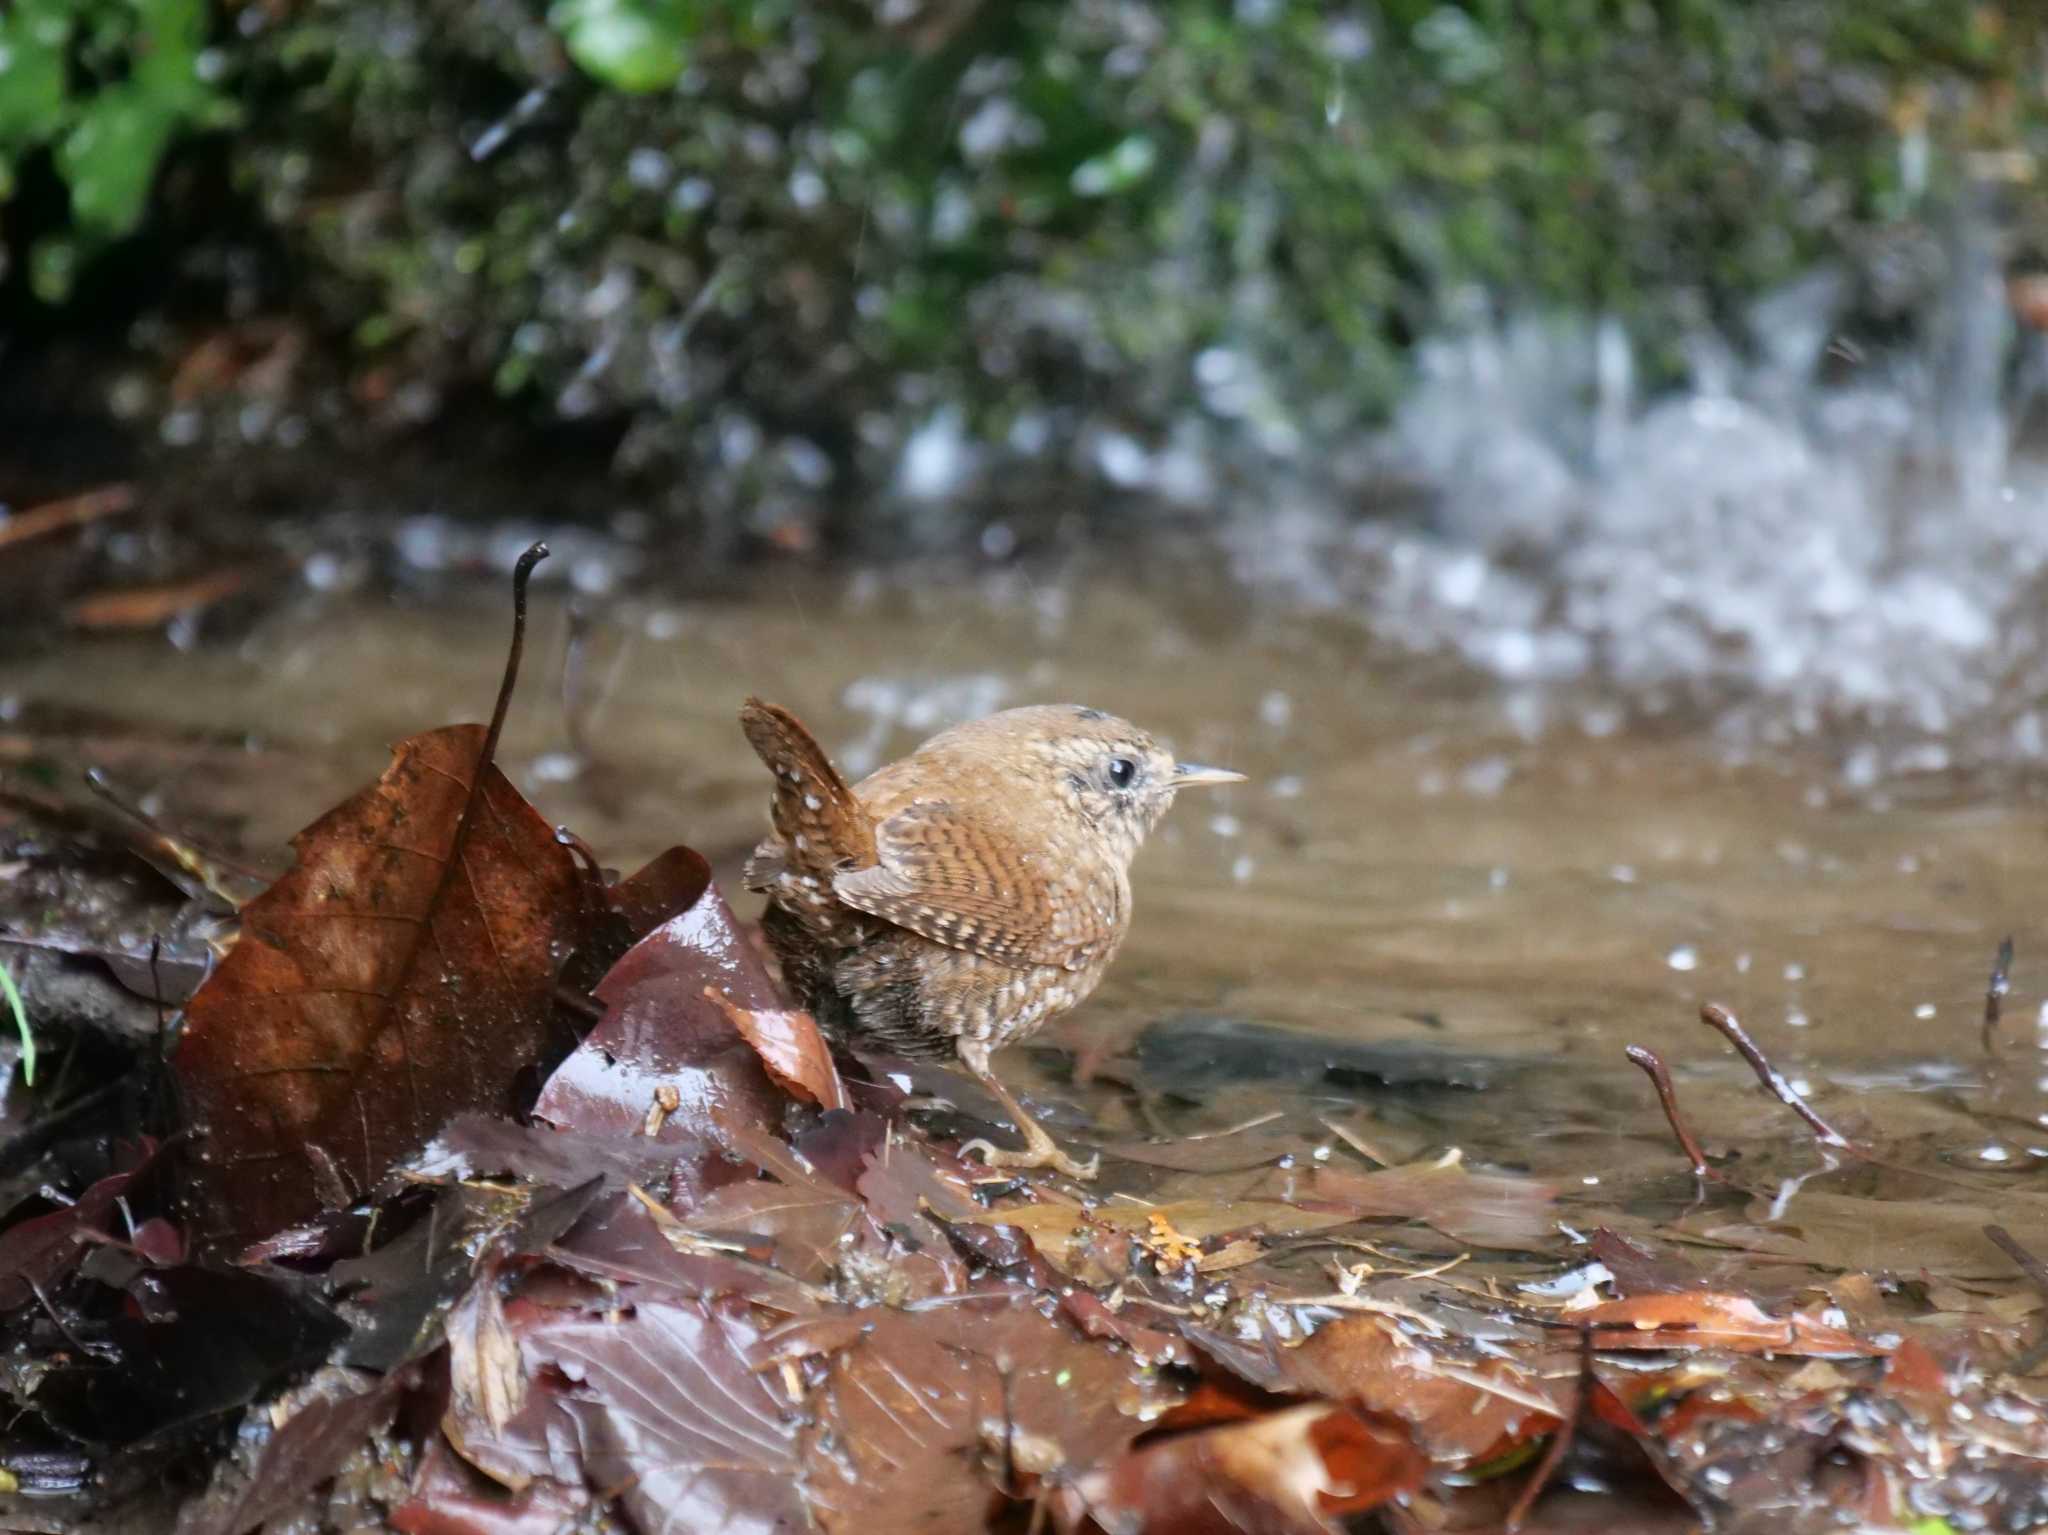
(1684, 957)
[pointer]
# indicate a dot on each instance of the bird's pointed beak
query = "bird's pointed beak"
(1189, 775)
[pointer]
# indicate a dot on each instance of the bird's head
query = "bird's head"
(1103, 770)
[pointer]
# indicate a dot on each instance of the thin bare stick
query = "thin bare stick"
(1660, 1078)
(522, 573)
(1994, 993)
(2035, 1270)
(1560, 1441)
(75, 512)
(1723, 1022)
(197, 872)
(580, 1003)
(2030, 1265)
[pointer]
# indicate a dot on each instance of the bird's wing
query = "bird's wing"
(948, 878)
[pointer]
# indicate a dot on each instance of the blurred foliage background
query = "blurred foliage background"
(758, 245)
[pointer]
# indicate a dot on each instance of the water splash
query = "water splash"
(1817, 534)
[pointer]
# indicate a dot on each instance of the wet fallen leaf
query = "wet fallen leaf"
(1850, 1232)
(621, 913)
(660, 1032)
(1704, 1319)
(35, 1253)
(400, 973)
(790, 1046)
(329, 1422)
(398, 1294)
(923, 1414)
(660, 1405)
(486, 1378)
(1638, 1270)
(1300, 1471)
(1460, 1409)
(227, 1338)
(1479, 1209)
(451, 1497)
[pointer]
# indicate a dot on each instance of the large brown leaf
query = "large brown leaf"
(379, 988)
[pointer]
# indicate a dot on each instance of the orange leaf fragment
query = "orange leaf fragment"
(1298, 1471)
(1709, 1319)
(790, 1046)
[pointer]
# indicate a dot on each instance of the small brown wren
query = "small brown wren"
(954, 901)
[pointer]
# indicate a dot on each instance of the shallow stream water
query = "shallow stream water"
(1434, 917)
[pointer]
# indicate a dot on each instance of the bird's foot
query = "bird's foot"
(1040, 1150)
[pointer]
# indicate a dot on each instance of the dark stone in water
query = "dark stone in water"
(1195, 1051)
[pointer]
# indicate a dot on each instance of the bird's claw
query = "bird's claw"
(1037, 1153)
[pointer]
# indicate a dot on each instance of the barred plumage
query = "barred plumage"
(957, 899)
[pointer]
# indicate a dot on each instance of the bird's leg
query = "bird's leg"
(1040, 1150)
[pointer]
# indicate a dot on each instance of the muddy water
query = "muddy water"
(1459, 905)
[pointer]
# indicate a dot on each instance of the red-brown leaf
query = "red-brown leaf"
(378, 988)
(660, 1405)
(665, 1061)
(1707, 1319)
(1460, 1410)
(790, 1046)
(1294, 1472)
(915, 1406)
(37, 1252)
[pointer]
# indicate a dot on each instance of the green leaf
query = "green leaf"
(109, 159)
(52, 268)
(28, 1040)
(35, 38)
(632, 45)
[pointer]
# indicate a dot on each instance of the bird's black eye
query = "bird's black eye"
(1122, 772)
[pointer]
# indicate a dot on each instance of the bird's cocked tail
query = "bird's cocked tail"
(821, 825)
